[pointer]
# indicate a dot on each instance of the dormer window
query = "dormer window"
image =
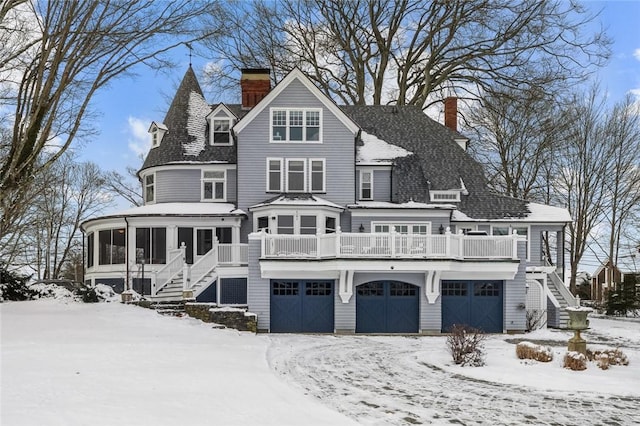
(445, 196)
(157, 132)
(221, 132)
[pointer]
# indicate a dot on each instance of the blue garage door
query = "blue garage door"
(387, 307)
(301, 306)
(474, 303)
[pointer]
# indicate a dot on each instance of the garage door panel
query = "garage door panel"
(302, 306)
(317, 307)
(387, 307)
(476, 304)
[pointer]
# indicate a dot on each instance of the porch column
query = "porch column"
(560, 253)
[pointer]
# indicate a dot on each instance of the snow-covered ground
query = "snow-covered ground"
(68, 363)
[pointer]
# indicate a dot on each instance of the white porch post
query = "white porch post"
(187, 293)
(447, 242)
(515, 244)
(337, 241)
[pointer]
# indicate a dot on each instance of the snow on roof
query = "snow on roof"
(407, 205)
(376, 150)
(196, 124)
(178, 209)
(537, 213)
(284, 200)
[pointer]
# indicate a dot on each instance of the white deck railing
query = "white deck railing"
(389, 245)
(174, 265)
(233, 254)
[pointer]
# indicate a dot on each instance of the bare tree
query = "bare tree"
(517, 133)
(580, 181)
(78, 47)
(71, 192)
(376, 51)
(126, 186)
(623, 176)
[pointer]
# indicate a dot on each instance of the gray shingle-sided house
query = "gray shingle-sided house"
(327, 218)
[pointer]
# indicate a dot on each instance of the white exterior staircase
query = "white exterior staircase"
(558, 299)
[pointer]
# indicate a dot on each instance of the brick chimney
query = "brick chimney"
(255, 84)
(451, 113)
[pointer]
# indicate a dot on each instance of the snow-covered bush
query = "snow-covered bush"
(50, 291)
(528, 350)
(13, 286)
(466, 346)
(98, 293)
(575, 361)
(605, 358)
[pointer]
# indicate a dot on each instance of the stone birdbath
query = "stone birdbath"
(577, 322)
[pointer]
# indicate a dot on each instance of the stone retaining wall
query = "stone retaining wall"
(237, 318)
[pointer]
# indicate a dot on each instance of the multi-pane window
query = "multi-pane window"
(295, 125)
(403, 228)
(295, 176)
(317, 175)
(149, 188)
(366, 185)
(307, 224)
(285, 288)
(397, 289)
(221, 134)
(300, 175)
(213, 185)
(285, 224)
(371, 289)
(111, 246)
(151, 245)
(318, 288)
(489, 288)
(454, 288)
(274, 174)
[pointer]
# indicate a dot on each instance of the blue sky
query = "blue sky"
(127, 107)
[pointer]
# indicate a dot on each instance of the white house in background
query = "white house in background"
(327, 218)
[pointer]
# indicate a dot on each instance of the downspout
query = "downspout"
(126, 256)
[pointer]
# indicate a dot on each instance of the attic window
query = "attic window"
(296, 125)
(445, 196)
(221, 132)
(157, 132)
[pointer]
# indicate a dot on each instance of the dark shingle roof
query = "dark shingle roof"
(438, 162)
(172, 146)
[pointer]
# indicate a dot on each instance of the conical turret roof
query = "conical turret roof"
(186, 139)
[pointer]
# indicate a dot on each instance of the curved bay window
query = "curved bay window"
(112, 246)
(151, 245)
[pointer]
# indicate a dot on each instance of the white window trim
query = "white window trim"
(304, 127)
(324, 175)
(304, 174)
(273, 213)
(511, 226)
(155, 187)
(212, 132)
(363, 171)
(282, 178)
(409, 226)
(453, 194)
(224, 185)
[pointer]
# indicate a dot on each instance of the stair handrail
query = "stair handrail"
(204, 265)
(562, 289)
(175, 261)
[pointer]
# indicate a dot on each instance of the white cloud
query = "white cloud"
(139, 139)
(636, 54)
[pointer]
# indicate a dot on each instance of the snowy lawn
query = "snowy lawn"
(66, 363)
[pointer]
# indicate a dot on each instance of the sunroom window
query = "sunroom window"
(111, 246)
(151, 245)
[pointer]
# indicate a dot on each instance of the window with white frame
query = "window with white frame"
(221, 131)
(213, 185)
(317, 178)
(155, 138)
(295, 125)
(307, 224)
(296, 172)
(422, 228)
(508, 230)
(297, 175)
(150, 188)
(274, 174)
(285, 224)
(366, 184)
